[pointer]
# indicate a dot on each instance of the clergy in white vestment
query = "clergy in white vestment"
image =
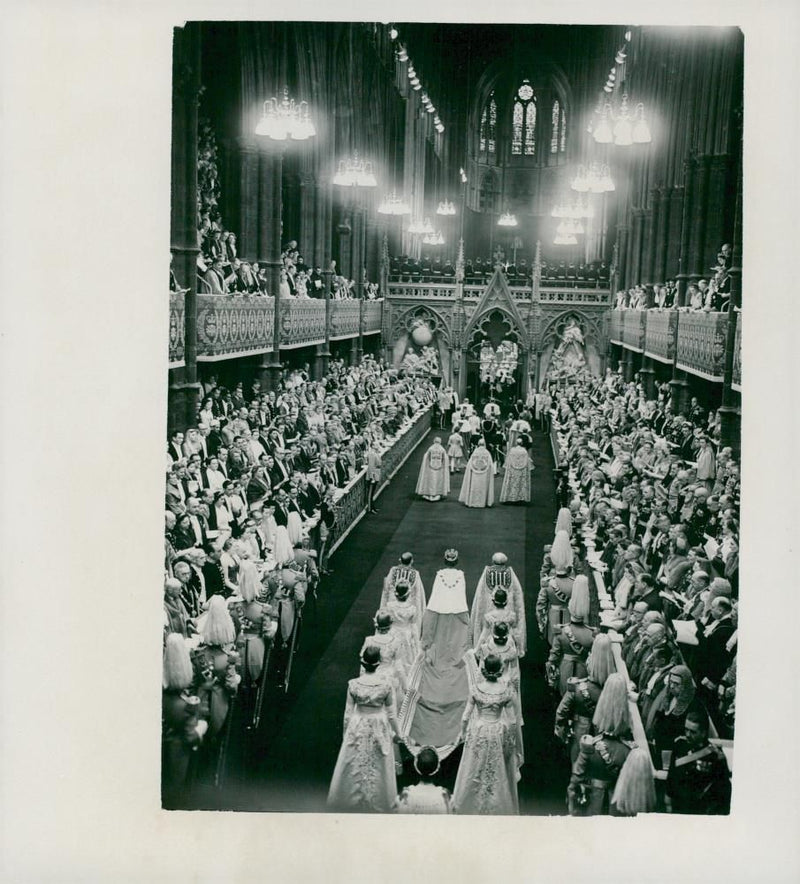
(434, 473)
(477, 489)
(516, 486)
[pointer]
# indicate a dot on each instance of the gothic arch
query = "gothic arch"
(404, 322)
(588, 326)
(479, 321)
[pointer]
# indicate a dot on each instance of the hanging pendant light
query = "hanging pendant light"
(641, 131)
(602, 131)
(623, 130)
(507, 219)
(285, 119)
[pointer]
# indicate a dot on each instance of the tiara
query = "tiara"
(451, 555)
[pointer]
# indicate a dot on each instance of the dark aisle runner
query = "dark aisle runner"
(295, 763)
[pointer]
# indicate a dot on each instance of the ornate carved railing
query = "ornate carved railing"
(737, 355)
(633, 324)
(345, 318)
(238, 325)
(615, 329)
(421, 290)
(229, 325)
(701, 344)
(303, 322)
(351, 505)
(601, 296)
(660, 334)
(177, 329)
(373, 317)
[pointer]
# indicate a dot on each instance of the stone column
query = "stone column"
(649, 232)
(270, 213)
(730, 415)
(248, 199)
(660, 271)
(686, 228)
(308, 217)
(648, 376)
(680, 392)
(184, 390)
(697, 268)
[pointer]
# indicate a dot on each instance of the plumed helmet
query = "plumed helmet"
(579, 600)
(561, 554)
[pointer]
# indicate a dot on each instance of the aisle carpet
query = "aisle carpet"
(287, 765)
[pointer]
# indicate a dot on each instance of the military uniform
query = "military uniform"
(595, 773)
(568, 655)
(575, 712)
(551, 605)
(698, 781)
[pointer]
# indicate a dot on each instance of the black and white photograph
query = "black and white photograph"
(377, 443)
(452, 476)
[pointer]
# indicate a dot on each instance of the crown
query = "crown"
(451, 555)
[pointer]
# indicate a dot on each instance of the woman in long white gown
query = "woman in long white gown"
(405, 625)
(364, 777)
(487, 777)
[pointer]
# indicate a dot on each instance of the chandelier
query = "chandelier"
(285, 119)
(581, 208)
(446, 208)
(394, 205)
(434, 239)
(565, 240)
(355, 172)
(595, 178)
(570, 227)
(619, 126)
(421, 228)
(507, 219)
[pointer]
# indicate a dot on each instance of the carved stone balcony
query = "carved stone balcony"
(695, 341)
(177, 329)
(660, 335)
(701, 344)
(229, 326)
(633, 326)
(737, 355)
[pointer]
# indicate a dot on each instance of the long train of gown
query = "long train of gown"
(438, 687)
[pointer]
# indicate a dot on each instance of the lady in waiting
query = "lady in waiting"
(487, 777)
(364, 777)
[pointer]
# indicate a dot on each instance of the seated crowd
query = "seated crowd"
(222, 272)
(650, 507)
(705, 296)
(252, 496)
(478, 270)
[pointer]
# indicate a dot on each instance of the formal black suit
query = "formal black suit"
(212, 575)
(712, 658)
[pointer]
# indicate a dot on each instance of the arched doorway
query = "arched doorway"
(495, 361)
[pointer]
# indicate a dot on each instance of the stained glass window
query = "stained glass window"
(563, 130)
(555, 120)
(484, 119)
(523, 122)
(492, 124)
(516, 134)
(530, 129)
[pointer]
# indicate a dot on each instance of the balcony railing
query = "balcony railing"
(633, 324)
(230, 325)
(737, 355)
(695, 341)
(234, 325)
(177, 329)
(701, 344)
(373, 317)
(660, 334)
(447, 291)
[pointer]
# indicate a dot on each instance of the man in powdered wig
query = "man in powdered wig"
(405, 572)
(554, 595)
(499, 575)
(434, 473)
